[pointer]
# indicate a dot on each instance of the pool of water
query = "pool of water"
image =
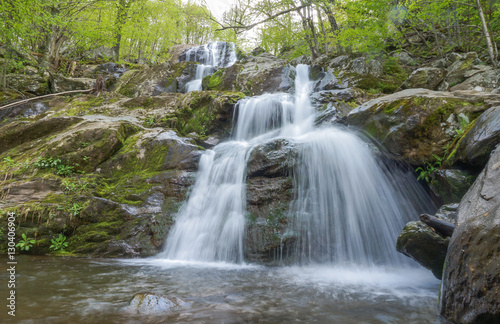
(72, 290)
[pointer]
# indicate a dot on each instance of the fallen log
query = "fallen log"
(442, 227)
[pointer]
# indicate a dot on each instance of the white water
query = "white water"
(348, 208)
(210, 57)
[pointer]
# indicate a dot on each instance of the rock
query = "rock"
(176, 50)
(153, 304)
(154, 150)
(206, 112)
(451, 184)
(272, 159)
(479, 78)
(457, 71)
(471, 286)
(28, 83)
(21, 133)
(476, 146)
(153, 81)
(405, 58)
(303, 59)
(426, 77)
(422, 244)
(414, 124)
(59, 83)
(484, 194)
(448, 213)
(188, 74)
(266, 236)
(470, 289)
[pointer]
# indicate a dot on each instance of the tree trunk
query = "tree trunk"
(486, 33)
(121, 18)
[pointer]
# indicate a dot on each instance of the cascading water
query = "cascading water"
(211, 56)
(348, 207)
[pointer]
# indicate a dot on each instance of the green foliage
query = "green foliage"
(425, 172)
(75, 209)
(26, 243)
(54, 164)
(10, 163)
(59, 243)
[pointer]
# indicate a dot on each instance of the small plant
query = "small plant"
(10, 163)
(26, 243)
(75, 209)
(84, 144)
(46, 163)
(464, 123)
(64, 170)
(150, 121)
(59, 243)
(426, 171)
(86, 158)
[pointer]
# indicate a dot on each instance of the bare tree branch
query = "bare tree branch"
(248, 27)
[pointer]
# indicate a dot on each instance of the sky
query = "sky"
(217, 7)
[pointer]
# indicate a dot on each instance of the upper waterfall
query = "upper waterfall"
(210, 56)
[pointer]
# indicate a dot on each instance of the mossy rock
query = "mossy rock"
(416, 124)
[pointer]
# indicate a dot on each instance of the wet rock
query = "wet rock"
(471, 286)
(153, 304)
(28, 83)
(422, 244)
(475, 148)
(448, 213)
(426, 77)
(272, 159)
(266, 236)
(451, 184)
(414, 124)
(59, 83)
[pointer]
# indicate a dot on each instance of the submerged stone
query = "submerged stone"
(153, 304)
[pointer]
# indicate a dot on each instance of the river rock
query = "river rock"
(414, 124)
(153, 304)
(475, 148)
(471, 286)
(426, 77)
(422, 244)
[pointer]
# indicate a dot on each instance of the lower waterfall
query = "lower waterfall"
(348, 208)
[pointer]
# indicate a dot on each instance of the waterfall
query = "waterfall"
(348, 208)
(211, 56)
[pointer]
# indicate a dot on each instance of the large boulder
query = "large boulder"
(480, 78)
(475, 148)
(471, 284)
(457, 72)
(414, 124)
